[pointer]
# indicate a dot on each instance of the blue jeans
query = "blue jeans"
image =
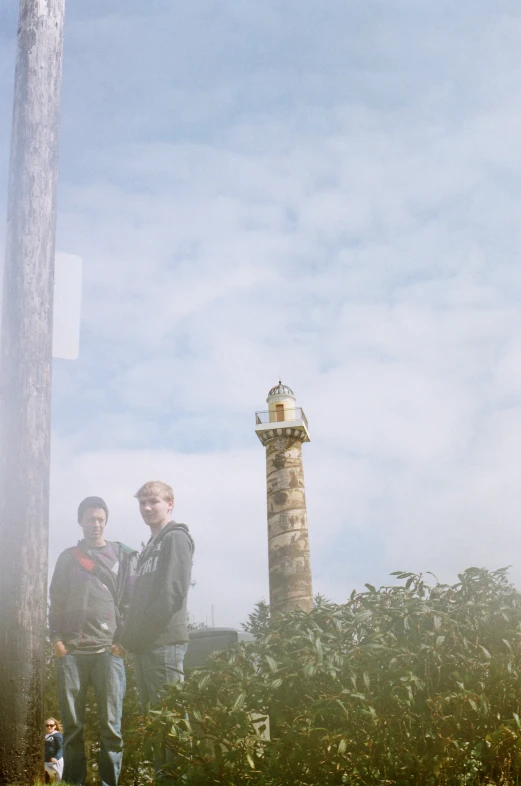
(106, 673)
(154, 670)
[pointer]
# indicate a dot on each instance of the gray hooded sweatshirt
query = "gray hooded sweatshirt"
(157, 613)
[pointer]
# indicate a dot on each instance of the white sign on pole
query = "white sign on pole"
(67, 306)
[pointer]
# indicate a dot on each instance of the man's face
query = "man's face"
(93, 523)
(155, 510)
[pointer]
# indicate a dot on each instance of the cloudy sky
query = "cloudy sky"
(328, 192)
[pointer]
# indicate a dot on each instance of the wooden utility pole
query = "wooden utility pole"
(25, 387)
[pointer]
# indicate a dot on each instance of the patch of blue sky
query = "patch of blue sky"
(361, 549)
(249, 82)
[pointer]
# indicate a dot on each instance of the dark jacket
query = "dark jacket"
(88, 606)
(53, 746)
(157, 613)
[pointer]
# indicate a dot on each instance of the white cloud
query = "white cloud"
(331, 197)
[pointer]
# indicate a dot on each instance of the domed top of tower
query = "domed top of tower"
(283, 418)
(281, 390)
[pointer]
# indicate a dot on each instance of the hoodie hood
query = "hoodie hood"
(171, 526)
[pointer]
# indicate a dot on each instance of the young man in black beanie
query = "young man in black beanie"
(90, 593)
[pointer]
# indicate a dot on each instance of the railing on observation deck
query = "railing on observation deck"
(281, 416)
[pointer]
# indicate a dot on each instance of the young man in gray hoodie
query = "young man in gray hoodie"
(155, 629)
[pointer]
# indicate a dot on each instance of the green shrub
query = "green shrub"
(408, 684)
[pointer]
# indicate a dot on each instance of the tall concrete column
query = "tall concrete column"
(282, 430)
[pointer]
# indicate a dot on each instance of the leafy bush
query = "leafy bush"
(408, 684)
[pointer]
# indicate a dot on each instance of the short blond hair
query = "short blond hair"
(162, 490)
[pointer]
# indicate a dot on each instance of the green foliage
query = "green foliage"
(258, 621)
(408, 684)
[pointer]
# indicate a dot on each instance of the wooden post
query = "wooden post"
(25, 387)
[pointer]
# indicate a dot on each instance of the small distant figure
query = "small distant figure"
(90, 592)
(53, 751)
(155, 629)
